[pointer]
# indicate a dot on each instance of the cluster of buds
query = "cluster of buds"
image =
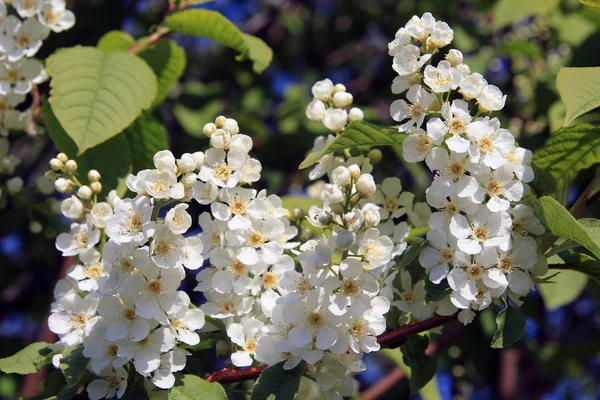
(330, 104)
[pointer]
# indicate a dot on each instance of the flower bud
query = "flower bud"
(187, 163)
(62, 157)
(189, 179)
(93, 175)
(375, 156)
(220, 121)
(220, 139)
(304, 235)
(96, 187)
(332, 194)
(63, 185)
(231, 126)
(342, 99)
(354, 171)
(298, 214)
(454, 57)
(288, 215)
(209, 129)
(315, 110)
(72, 207)
(365, 185)
(338, 88)
(51, 175)
(84, 192)
(35, 227)
(335, 119)
(371, 214)
(322, 90)
(340, 176)
(14, 185)
(164, 160)
(355, 114)
(112, 198)
(199, 159)
(71, 165)
(56, 164)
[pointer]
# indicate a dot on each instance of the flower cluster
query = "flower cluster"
(329, 106)
(481, 239)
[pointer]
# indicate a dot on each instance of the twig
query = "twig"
(390, 339)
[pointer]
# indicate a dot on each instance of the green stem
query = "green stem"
(562, 247)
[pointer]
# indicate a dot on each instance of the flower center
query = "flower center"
(154, 286)
(23, 41)
(112, 350)
(315, 319)
(474, 272)
(456, 169)
(480, 234)
(494, 188)
(129, 314)
(447, 255)
(144, 341)
(350, 288)
(135, 223)
(358, 329)
(451, 209)
(505, 264)
(456, 126)
(162, 248)
(95, 271)
(238, 268)
(391, 204)
(228, 306)
(485, 145)
(238, 207)
(126, 266)
(256, 239)
(81, 239)
(423, 143)
(222, 172)
(51, 17)
(304, 285)
(416, 110)
(517, 228)
(250, 346)
(13, 76)
(408, 297)
(269, 280)
(177, 323)
(80, 320)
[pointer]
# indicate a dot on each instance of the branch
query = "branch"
(390, 339)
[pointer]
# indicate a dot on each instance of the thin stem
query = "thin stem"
(565, 246)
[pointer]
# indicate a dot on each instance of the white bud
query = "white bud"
(339, 88)
(93, 175)
(220, 121)
(332, 193)
(164, 160)
(62, 157)
(56, 164)
(354, 171)
(112, 198)
(96, 187)
(187, 163)
(355, 114)
(220, 139)
(365, 185)
(371, 214)
(51, 175)
(71, 165)
(72, 207)
(209, 129)
(335, 119)
(322, 90)
(189, 179)
(199, 159)
(454, 57)
(342, 99)
(14, 185)
(340, 176)
(84, 192)
(35, 227)
(99, 213)
(231, 126)
(315, 110)
(44, 185)
(63, 185)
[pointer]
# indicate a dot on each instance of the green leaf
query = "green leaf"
(192, 120)
(167, 59)
(579, 89)
(278, 382)
(115, 41)
(146, 136)
(422, 366)
(591, 3)
(214, 26)
(357, 134)
(27, 361)
(561, 223)
(95, 95)
(566, 287)
(116, 148)
(567, 152)
(582, 263)
(572, 28)
(510, 324)
(507, 12)
(73, 364)
(435, 292)
(189, 387)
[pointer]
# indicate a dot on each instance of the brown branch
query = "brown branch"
(390, 339)
(161, 32)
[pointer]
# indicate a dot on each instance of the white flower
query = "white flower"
(103, 352)
(111, 383)
(92, 270)
(375, 248)
(178, 220)
(205, 193)
(443, 78)
(455, 57)
(419, 215)
(100, 213)
(73, 318)
(245, 335)
(489, 143)
(27, 8)
(315, 110)
(452, 175)
(171, 361)
(456, 118)
(365, 185)
(158, 291)
(147, 352)
(409, 60)
(438, 259)
(226, 305)
(164, 160)
(441, 35)
(121, 317)
(132, 221)
(335, 119)
(71, 207)
(420, 100)
(55, 16)
(420, 28)
(491, 99)
(517, 162)
(166, 249)
(357, 288)
(258, 242)
(19, 77)
(81, 237)
(24, 40)
(392, 200)
(322, 90)
(162, 184)
(192, 253)
(401, 39)
(472, 85)
(418, 145)
(524, 221)
(184, 322)
(220, 172)
(485, 229)
(325, 162)
(501, 190)
(412, 297)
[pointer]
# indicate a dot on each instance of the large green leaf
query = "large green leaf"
(73, 364)
(26, 361)
(591, 3)
(214, 26)
(167, 59)
(581, 262)
(510, 325)
(579, 89)
(561, 223)
(507, 12)
(146, 136)
(278, 382)
(564, 289)
(115, 41)
(569, 151)
(188, 387)
(95, 94)
(116, 148)
(422, 366)
(357, 134)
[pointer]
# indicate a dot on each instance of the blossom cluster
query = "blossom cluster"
(329, 106)
(481, 238)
